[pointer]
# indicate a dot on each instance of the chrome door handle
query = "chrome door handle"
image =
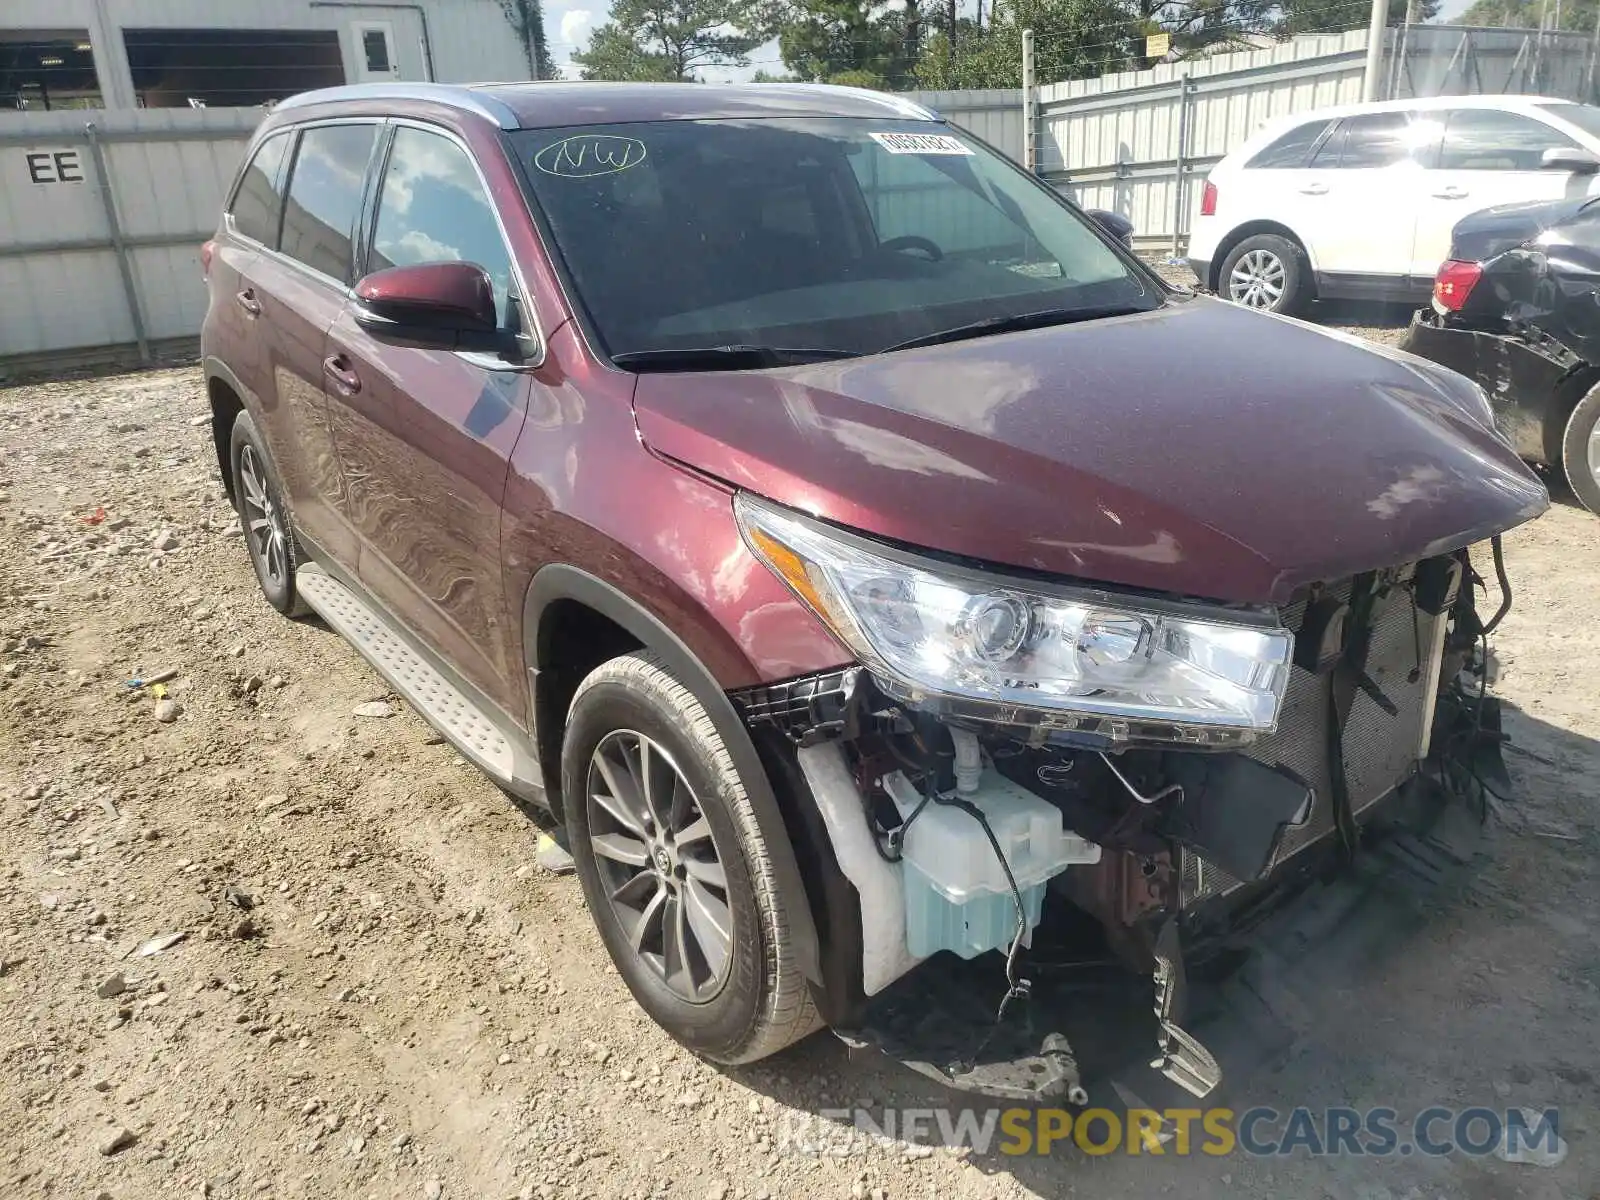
(1451, 193)
(1314, 189)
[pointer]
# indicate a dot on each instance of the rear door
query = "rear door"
(1274, 184)
(426, 435)
(233, 320)
(299, 287)
(1488, 156)
(1369, 180)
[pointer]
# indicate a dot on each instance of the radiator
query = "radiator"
(1380, 751)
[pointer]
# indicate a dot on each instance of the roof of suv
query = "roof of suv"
(1422, 104)
(1274, 127)
(560, 102)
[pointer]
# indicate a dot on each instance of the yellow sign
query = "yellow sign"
(1157, 45)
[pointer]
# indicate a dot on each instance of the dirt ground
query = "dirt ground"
(412, 1009)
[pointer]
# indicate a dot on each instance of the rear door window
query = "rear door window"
(258, 202)
(1365, 142)
(325, 190)
(433, 208)
(1290, 150)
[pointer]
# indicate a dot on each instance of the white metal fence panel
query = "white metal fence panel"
(993, 114)
(101, 219)
(1128, 142)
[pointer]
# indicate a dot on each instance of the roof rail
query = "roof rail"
(439, 93)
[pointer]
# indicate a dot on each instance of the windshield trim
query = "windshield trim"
(577, 307)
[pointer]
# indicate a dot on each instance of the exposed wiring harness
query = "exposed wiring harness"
(1017, 988)
(1505, 589)
(1462, 743)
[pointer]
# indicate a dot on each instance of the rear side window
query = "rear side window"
(1368, 141)
(258, 203)
(325, 196)
(1290, 150)
(1484, 139)
(433, 209)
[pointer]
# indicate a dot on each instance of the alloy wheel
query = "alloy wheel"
(1594, 453)
(1257, 279)
(658, 865)
(262, 520)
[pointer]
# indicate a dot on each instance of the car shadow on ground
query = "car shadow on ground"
(1361, 314)
(1400, 982)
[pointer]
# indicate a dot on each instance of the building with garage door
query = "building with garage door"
(121, 127)
(123, 54)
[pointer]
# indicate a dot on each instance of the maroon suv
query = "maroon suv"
(895, 588)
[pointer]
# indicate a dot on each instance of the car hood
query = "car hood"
(1200, 449)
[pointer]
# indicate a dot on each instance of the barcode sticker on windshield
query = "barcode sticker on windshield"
(921, 143)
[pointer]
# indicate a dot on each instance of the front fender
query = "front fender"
(558, 582)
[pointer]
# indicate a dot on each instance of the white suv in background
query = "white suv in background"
(1358, 202)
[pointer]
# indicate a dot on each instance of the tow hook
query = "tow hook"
(1181, 1057)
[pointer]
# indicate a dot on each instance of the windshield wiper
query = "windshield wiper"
(1020, 321)
(724, 358)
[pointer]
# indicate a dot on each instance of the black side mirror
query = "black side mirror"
(1118, 227)
(432, 306)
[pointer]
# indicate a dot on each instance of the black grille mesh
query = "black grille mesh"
(1379, 750)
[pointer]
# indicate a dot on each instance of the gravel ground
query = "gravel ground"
(1384, 323)
(377, 994)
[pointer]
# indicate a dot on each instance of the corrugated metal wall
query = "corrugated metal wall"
(994, 114)
(166, 172)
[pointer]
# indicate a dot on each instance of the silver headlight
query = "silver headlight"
(927, 629)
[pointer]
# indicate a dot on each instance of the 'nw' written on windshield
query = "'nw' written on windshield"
(587, 155)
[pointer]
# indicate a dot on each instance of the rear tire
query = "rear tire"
(1267, 272)
(1580, 451)
(670, 855)
(268, 528)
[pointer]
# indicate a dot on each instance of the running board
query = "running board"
(468, 723)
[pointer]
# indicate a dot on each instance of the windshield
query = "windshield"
(835, 236)
(1585, 116)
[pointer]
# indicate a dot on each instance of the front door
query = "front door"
(1488, 156)
(426, 436)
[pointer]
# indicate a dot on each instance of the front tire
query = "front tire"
(1267, 272)
(268, 530)
(675, 866)
(1580, 451)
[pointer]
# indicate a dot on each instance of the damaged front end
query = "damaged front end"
(1070, 861)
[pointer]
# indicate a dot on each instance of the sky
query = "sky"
(568, 24)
